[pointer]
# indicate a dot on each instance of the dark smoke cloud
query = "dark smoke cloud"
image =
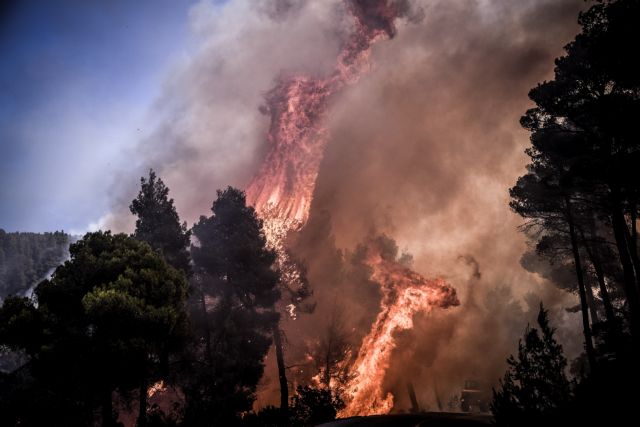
(423, 148)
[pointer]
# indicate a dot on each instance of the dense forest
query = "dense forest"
(26, 258)
(170, 325)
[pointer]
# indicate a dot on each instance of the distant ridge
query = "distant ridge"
(27, 258)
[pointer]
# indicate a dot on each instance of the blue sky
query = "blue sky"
(77, 80)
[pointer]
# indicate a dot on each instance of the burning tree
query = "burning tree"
(404, 294)
(334, 353)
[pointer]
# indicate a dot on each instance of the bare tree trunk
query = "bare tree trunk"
(581, 287)
(205, 321)
(634, 229)
(591, 302)
(437, 394)
(415, 408)
(630, 289)
(327, 369)
(604, 293)
(142, 412)
(282, 374)
(633, 249)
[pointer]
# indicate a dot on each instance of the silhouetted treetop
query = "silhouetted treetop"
(158, 222)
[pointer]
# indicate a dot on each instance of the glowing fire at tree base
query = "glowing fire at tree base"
(405, 293)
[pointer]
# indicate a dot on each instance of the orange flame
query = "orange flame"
(404, 294)
(297, 106)
(282, 192)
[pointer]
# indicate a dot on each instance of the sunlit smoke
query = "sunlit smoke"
(423, 147)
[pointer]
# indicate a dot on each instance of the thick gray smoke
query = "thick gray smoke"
(423, 148)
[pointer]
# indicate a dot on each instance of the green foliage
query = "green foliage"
(158, 223)
(237, 289)
(231, 250)
(535, 385)
(102, 323)
(26, 258)
(20, 325)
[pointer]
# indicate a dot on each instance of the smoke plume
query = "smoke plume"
(422, 148)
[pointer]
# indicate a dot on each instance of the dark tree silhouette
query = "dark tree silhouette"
(158, 223)
(535, 385)
(543, 197)
(312, 406)
(583, 180)
(333, 351)
(100, 325)
(237, 283)
(296, 293)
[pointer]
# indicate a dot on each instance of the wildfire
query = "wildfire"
(282, 192)
(404, 294)
(282, 189)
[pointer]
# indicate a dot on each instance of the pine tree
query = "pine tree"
(584, 131)
(101, 324)
(158, 223)
(237, 282)
(535, 385)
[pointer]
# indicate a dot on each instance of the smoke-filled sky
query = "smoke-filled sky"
(423, 148)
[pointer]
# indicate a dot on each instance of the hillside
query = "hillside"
(26, 258)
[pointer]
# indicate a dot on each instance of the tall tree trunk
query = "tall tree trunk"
(633, 250)
(142, 413)
(107, 410)
(282, 374)
(581, 287)
(634, 228)
(205, 322)
(415, 408)
(327, 369)
(591, 302)
(594, 257)
(604, 292)
(630, 289)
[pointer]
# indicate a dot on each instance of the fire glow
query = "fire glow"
(282, 192)
(404, 294)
